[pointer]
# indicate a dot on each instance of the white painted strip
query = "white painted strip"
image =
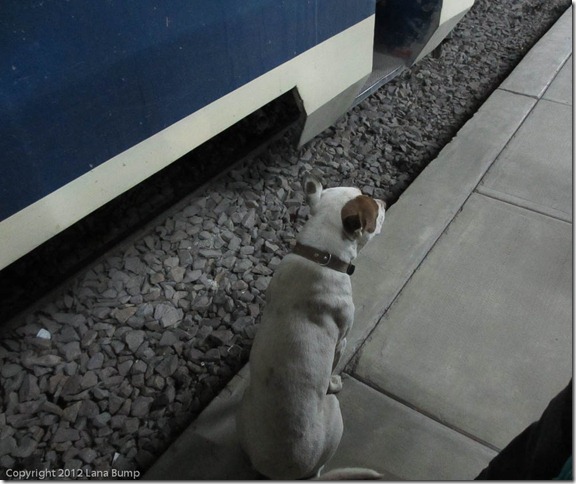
(320, 74)
(453, 8)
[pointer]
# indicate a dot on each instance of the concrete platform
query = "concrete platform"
(561, 88)
(402, 443)
(209, 449)
(535, 169)
(479, 338)
(487, 314)
(425, 210)
(463, 328)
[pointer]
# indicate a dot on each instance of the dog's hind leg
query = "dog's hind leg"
(338, 352)
(335, 384)
(333, 427)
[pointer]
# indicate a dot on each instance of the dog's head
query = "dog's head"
(361, 216)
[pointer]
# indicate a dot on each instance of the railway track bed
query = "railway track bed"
(104, 371)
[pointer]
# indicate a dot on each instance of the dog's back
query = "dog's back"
(285, 412)
(289, 421)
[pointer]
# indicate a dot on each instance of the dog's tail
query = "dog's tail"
(350, 474)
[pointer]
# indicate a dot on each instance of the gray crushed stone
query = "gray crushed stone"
(106, 372)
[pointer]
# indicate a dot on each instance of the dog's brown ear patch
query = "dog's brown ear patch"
(360, 213)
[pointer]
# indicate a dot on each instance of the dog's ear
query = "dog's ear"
(313, 191)
(360, 215)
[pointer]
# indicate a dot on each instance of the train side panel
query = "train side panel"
(120, 89)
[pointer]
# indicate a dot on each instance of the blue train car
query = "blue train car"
(98, 95)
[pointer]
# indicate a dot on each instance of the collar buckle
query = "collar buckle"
(324, 258)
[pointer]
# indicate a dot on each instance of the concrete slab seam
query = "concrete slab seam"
(520, 203)
(560, 103)
(509, 139)
(543, 93)
(428, 415)
(512, 91)
(569, 60)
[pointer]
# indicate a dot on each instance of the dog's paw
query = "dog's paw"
(350, 474)
(335, 384)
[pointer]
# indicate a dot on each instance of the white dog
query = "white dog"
(289, 421)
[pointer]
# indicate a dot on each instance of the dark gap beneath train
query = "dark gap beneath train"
(34, 275)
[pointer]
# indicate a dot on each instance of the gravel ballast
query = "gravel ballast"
(107, 370)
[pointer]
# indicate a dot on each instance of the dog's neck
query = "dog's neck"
(328, 237)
